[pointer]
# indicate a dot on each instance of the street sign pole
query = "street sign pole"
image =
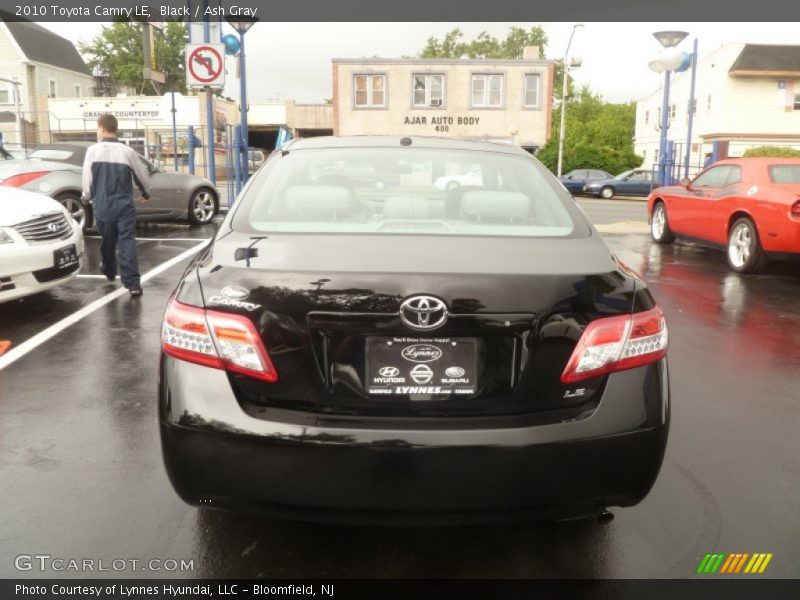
(210, 143)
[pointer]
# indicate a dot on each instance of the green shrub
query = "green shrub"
(777, 151)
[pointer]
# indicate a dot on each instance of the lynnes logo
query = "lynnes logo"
(421, 353)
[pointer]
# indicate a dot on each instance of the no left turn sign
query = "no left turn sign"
(205, 65)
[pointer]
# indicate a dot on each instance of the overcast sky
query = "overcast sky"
(292, 60)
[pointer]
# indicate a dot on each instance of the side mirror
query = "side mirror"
(685, 182)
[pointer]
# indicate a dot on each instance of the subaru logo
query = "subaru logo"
(235, 292)
(389, 372)
(423, 312)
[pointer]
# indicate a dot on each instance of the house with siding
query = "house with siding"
(746, 95)
(46, 66)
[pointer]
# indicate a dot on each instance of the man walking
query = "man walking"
(109, 171)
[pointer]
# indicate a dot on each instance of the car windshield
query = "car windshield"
(51, 154)
(623, 175)
(407, 191)
(785, 173)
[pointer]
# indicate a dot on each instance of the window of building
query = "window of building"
(428, 90)
(646, 117)
(655, 155)
(370, 91)
(533, 84)
(672, 111)
(487, 91)
(708, 103)
(644, 156)
(694, 106)
(6, 93)
(53, 89)
(797, 101)
(78, 90)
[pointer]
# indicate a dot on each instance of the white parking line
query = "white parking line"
(40, 338)
(90, 276)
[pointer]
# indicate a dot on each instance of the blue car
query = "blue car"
(636, 182)
(577, 178)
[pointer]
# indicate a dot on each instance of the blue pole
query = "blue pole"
(174, 133)
(243, 118)
(190, 133)
(662, 140)
(237, 146)
(212, 167)
(691, 111)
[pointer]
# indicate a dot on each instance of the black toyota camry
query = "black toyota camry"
(344, 350)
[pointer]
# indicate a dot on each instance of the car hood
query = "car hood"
(9, 168)
(18, 206)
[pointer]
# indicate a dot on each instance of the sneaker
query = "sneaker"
(136, 291)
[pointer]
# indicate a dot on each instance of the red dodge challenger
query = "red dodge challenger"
(748, 206)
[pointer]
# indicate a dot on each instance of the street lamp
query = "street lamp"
(562, 127)
(242, 26)
(668, 60)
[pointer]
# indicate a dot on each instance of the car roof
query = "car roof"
(77, 148)
(394, 141)
(758, 160)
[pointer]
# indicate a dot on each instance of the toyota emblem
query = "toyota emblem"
(423, 312)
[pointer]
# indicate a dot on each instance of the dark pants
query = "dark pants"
(120, 231)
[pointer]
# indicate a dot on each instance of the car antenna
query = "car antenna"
(249, 252)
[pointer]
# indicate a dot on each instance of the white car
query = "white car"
(41, 246)
(449, 182)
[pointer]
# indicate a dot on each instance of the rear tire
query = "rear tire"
(607, 192)
(81, 211)
(659, 225)
(202, 207)
(744, 248)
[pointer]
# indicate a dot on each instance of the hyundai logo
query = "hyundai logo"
(389, 372)
(235, 292)
(423, 312)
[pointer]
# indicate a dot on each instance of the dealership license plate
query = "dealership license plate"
(65, 258)
(421, 366)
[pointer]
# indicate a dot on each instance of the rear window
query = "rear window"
(49, 154)
(785, 173)
(383, 191)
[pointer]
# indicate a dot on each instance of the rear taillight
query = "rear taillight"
(796, 209)
(617, 343)
(22, 178)
(215, 339)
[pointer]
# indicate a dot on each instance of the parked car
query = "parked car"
(748, 206)
(472, 177)
(577, 178)
(636, 182)
(55, 170)
(255, 158)
(41, 246)
(482, 355)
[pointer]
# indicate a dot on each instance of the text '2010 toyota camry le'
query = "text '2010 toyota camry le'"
(349, 351)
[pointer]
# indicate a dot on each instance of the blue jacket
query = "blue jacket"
(109, 171)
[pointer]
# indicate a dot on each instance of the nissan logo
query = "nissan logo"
(423, 312)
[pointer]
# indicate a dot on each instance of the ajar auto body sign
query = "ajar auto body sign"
(441, 123)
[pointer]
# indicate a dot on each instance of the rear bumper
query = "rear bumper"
(217, 456)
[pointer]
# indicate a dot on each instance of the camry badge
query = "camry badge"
(423, 312)
(235, 292)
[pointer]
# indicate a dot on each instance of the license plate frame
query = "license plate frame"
(421, 368)
(66, 258)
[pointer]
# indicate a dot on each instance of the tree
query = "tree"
(119, 51)
(599, 135)
(772, 151)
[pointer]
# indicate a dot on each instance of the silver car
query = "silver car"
(55, 170)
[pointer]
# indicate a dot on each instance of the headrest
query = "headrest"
(314, 202)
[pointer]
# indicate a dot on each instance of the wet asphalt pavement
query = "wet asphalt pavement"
(81, 473)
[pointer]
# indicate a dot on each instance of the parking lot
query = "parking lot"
(81, 473)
